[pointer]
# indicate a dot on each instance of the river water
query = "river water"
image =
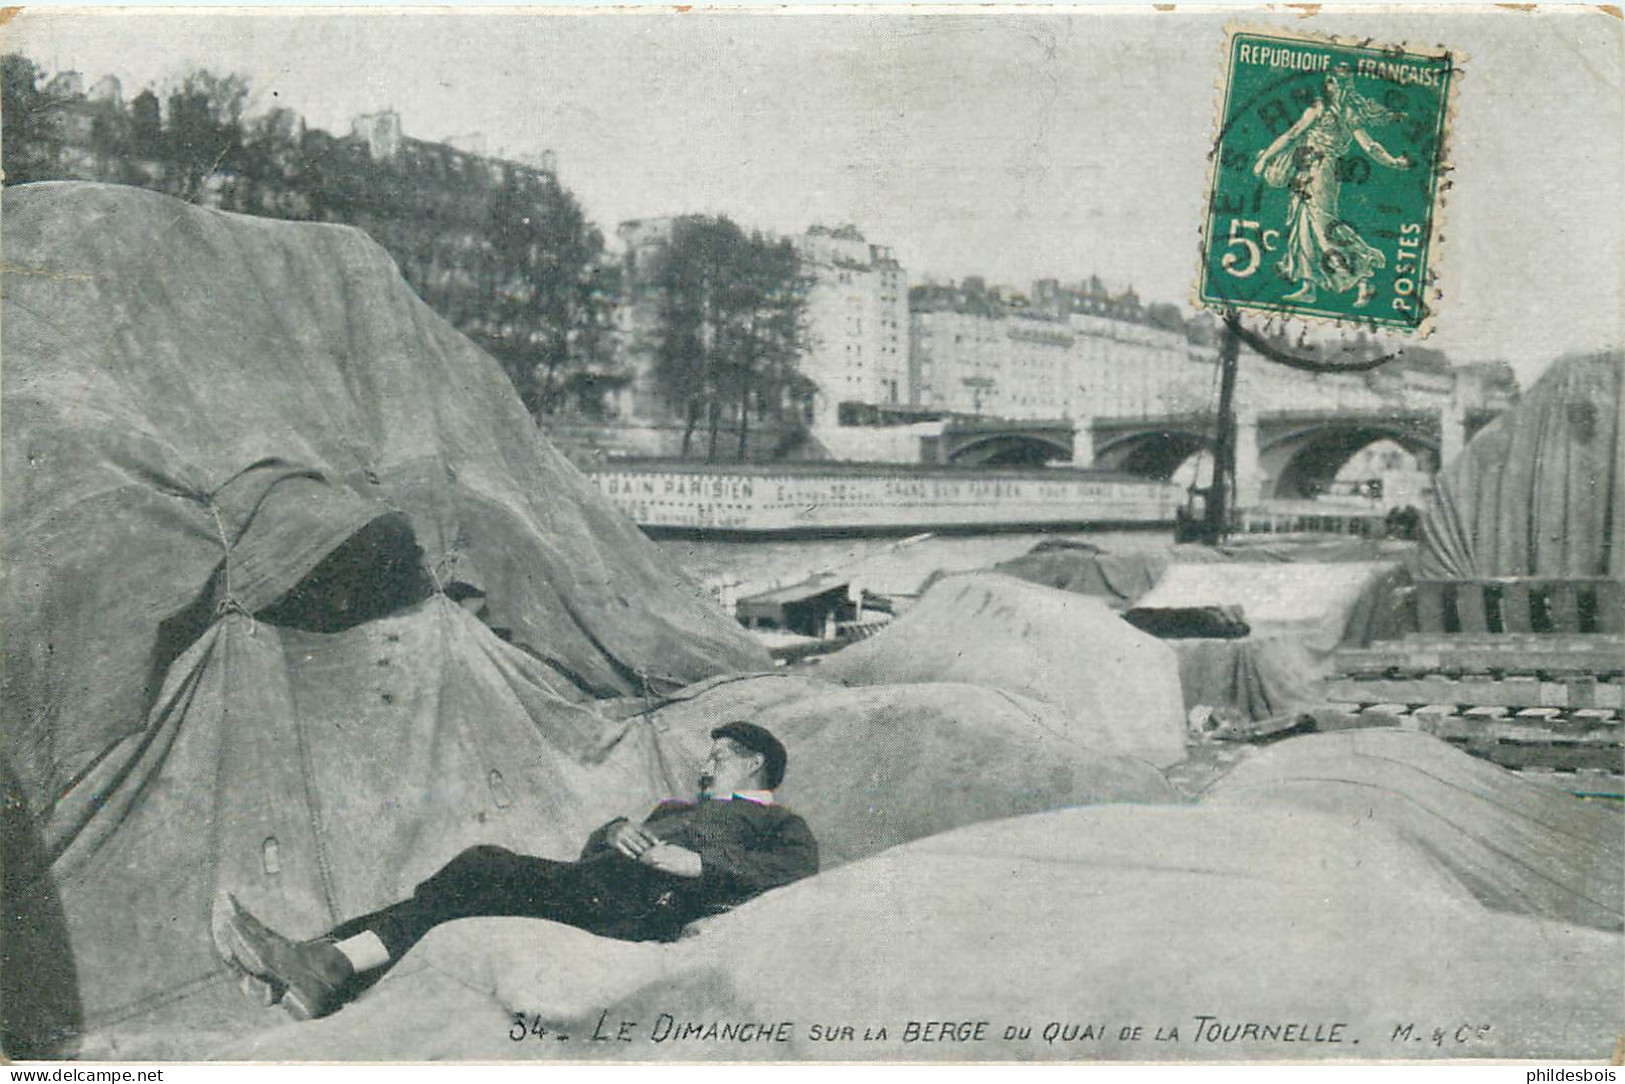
(888, 566)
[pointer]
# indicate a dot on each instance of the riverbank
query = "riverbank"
(904, 566)
(680, 498)
(884, 566)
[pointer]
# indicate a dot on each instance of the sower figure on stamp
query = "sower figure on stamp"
(635, 882)
(1322, 248)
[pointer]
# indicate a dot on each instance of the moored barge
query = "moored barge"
(676, 498)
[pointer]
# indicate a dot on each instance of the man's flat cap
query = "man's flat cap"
(758, 740)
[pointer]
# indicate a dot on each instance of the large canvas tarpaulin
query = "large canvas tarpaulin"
(875, 766)
(1086, 920)
(1123, 577)
(869, 768)
(1264, 549)
(1117, 687)
(228, 442)
(1540, 492)
(1084, 568)
(1515, 845)
(317, 776)
(1299, 614)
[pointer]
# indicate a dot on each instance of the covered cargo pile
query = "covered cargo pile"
(1540, 492)
(1116, 687)
(1297, 615)
(1086, 569)
(256, 493)
(1070, 924)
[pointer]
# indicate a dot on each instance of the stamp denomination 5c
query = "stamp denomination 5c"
(1324, 198)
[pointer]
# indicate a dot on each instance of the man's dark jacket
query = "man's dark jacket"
(745, 848)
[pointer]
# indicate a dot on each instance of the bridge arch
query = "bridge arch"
(1151, 453)
(1303, 460)
(1278, 454)
(1009, 449)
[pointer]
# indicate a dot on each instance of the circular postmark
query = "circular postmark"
(1325, 184)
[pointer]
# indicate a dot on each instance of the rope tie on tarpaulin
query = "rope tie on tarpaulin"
(228, 603)
(443, 571)
(649, 709)
(715, 683)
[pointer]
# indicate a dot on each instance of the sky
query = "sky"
(997, 143)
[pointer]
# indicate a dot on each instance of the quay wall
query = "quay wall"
(880, 499)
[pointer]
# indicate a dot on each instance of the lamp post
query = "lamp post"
(1224, 444)
(977, 384)
(1220, 493)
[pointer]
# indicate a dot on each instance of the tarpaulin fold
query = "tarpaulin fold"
(180, 382)
(1540, 492)
(247, 471)
(1116, 687)
(1299, 614)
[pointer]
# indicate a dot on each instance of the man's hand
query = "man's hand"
(632, 840)
(670, 858)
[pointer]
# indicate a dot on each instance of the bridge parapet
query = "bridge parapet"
(1394, 415)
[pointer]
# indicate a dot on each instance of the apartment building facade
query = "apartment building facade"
(856, 319)
(857, 322)
(1054, 353)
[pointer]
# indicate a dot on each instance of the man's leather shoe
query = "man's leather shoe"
(261, 992)
(310, 974)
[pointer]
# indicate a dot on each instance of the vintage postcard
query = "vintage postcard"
(876, 535)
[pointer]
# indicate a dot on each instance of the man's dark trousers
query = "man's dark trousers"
(745, 848)
(607, 895)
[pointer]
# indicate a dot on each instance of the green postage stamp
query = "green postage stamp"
(1326, 180)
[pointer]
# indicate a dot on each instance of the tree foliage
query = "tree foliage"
(31, 145)
(548, 296)
(502, 252)
(730, 325)
(205, 129)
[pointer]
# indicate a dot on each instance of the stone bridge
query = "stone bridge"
(1295, 431)
(1279, 453)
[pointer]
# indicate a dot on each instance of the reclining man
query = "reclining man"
(635, 882)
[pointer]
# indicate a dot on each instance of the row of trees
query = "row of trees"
(543, 300)
(197, 130)
(504, 253)
(730, 325)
